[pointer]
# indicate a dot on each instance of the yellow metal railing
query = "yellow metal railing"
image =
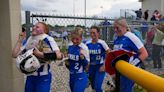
(149, 81)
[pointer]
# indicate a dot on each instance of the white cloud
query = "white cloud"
(94, 7)
(38, 5)
(98, 6)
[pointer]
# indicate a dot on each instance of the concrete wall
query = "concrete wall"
(10, 79)
(153, 5)
(162, 7)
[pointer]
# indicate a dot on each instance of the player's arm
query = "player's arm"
(53, 55)
(17, 48)
(107, 49)
(141, 50)
(49, 55)
(83, 58)
(142, 54)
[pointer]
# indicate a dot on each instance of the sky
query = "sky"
(106, 8)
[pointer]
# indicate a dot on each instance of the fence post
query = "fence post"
(28, 24)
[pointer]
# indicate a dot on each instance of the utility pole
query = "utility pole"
(102, 11)
(85, 13)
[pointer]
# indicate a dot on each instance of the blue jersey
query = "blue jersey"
(44, 43)
(97, 51)
(130, 42)
(77, 65)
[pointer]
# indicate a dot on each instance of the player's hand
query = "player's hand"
(82, 54)
(37, 53)
(102, 68)
(22, 35)
(59, 55)
(134, 60)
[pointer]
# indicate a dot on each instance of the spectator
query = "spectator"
(65, 36)
(144, 28)
(148, 42)
(105, 28)
(162, 18)
(138, 14)
(156, 16)
(146, 15)
(157, 45)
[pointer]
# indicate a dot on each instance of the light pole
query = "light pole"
(101, 10)
(74, 8)
(74, 11)
(85, 13)
(162, 6)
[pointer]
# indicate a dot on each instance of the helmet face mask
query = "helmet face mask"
(27, 63)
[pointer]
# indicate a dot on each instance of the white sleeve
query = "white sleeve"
(86, 51)
(105, 46)
(53, 44)
(134, 39)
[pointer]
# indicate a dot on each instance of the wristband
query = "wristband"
(50, 56)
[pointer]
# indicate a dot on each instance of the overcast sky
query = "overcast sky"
(106, 8)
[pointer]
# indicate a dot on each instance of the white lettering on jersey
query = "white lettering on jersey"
(95, 51)
(73, 57)
(118, 46)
